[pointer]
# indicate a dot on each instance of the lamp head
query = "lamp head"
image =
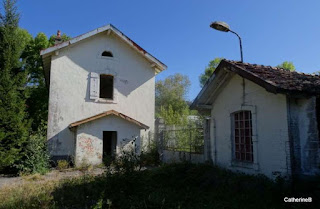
(221, 26)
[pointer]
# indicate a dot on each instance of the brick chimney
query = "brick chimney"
(58, 39)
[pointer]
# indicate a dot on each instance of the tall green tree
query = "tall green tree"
(172, 91)
(213, 64)
(287, 66)
(14, 125)
(37, 102)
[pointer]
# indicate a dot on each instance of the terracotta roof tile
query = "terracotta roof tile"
(107, 113)
(283, 80)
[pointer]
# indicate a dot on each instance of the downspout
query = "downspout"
(214, 142)
(75, 131)
(243, 91)
(291, 143)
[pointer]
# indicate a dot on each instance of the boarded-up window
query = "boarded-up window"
(106, 86)
(243, 147)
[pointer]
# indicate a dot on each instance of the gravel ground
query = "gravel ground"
(52, 175)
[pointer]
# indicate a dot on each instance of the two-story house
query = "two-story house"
(101, 95)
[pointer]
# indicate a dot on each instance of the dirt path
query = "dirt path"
(52, 175)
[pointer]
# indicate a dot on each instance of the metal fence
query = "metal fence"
(190, 140)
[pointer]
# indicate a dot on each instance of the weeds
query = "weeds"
(35, 157)
(62, 165)
(184, 186)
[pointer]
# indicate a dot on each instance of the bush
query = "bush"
(150, 157)
(35, 158)
(127, 162)
(184, 186)
(62, 164)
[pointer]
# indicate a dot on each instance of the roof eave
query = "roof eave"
(159, 65)
(195, 104)
(108, 113)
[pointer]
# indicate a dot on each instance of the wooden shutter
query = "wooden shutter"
(94, 85)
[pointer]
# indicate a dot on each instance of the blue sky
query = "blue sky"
(177, 31)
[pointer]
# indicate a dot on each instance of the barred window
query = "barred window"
(243, 148)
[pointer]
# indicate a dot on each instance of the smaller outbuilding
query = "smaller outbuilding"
(263, 120)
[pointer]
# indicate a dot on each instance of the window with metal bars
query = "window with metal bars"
(242, 134)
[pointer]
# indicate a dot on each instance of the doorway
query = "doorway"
(109, 144)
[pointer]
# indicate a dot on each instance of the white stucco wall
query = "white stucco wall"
(134, 87)
(269, 112)
(89, 144)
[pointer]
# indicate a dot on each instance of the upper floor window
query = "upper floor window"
(242, 136)
(107, 54)
(106, 86)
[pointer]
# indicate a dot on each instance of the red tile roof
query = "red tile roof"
(107, 113)
(276, 80)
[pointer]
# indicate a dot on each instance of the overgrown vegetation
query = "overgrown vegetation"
(170, 186)
(35, 157)
(62, 164)
(23, 96)
(14, 125)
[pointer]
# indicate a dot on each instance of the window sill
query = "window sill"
(109, 101)
(243, 164)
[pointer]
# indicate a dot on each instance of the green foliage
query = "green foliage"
(186, 138)
(127, 161)
(172, 117)
(287, 66)
(14, 126)
(37, 102)
(171, 104)
(35, 157)
(150, 155)
(64, 37)
(62, 165)
(213, 64)
(184, 186)
(172, 91)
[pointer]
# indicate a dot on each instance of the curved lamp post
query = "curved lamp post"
(224, 27)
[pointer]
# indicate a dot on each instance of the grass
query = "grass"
(170, 186)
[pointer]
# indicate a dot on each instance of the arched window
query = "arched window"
(107, 54)
(242, 136)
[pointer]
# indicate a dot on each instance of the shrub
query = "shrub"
(62, 164)
(150, 157)
(35, 158)
(127, 161)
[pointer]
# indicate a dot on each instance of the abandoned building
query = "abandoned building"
(101, 95)
(263, 120)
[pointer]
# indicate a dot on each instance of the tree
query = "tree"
(287, 66)
(213, 64)
(52, 39)
(37, 102)
(172, 91)
(14, 126)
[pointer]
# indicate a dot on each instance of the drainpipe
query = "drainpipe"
(214, 141)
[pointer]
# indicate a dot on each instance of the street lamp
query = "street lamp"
(224, 27)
